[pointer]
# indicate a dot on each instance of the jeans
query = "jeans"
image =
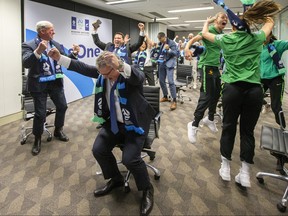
(169, 73)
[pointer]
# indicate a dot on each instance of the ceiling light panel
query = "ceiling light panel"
(123, 2)
(190, 9)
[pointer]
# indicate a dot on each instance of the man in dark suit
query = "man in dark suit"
(119, 46)
(45, 77)
(166, 62)
(126, 116)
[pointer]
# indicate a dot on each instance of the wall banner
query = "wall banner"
(70, 28)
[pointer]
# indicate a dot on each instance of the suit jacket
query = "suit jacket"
(30, 61)
(140, 107)
(130, 48)
(171, 55)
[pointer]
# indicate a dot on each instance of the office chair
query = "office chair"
(275, 140)
(152, 94)
(183, 80)
(28, 113)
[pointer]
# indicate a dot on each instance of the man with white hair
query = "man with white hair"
(45, 77)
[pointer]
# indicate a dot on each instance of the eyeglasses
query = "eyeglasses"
(106, 74)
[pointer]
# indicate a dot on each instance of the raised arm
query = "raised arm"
(187, 52)
(268, 26)
(139, 43)
(205, 31)
(150, 43)
(74, 65)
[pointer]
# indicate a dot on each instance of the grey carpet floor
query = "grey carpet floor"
(61, 179)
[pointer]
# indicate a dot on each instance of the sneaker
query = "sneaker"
(173, 106)
(194, 85)
(224, 170)
(192, 132)
(265, 108)
(164, 99)
(210, 124)
(243, 178)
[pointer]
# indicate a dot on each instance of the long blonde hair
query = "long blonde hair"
(260, 11)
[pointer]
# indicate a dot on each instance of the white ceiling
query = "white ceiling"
(143, 9)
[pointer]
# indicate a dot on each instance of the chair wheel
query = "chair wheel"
(23, 142)
(156, 177)
(127, 189)
(260, 180)
(281, 207)
(181, 102)
(152, 158)
(49, 139)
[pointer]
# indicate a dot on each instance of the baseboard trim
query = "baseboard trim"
(11, 118)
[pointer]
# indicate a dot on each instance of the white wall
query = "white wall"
(10, 57)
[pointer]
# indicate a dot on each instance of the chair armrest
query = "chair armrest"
(157, 123)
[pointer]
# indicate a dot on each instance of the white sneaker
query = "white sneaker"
(192, 132)
(265, 108)
(210, 124)
(243, 178)
(224, 171)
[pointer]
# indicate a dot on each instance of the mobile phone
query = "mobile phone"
(96, 24)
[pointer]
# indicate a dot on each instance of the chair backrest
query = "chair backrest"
(152, 95)
(27, 100)
(182, 72)
(24, 86)
(274, 139)
(28, 104)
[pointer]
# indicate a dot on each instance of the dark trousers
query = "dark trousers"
(57, 95)
(244, 100)
(209, 94)
(131, 154)
(276, 86)
(149, 75)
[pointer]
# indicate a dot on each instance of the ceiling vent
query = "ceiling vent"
(157, 14)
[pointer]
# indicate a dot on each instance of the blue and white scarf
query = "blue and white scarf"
(140, 59)
(276, 58)
(122, 52)
(101, 114)
(49, 69)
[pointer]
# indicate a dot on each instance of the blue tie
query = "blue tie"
(113, 117)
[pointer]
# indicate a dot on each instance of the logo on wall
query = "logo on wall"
(73, 23)
(79, 26)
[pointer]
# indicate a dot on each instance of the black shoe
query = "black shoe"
(36, 146)
(60, 135)
(108, 187)
(147, 201)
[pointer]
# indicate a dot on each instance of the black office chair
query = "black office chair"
(152, 94)
(275, 140)
(28, 113)
(183, 80)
